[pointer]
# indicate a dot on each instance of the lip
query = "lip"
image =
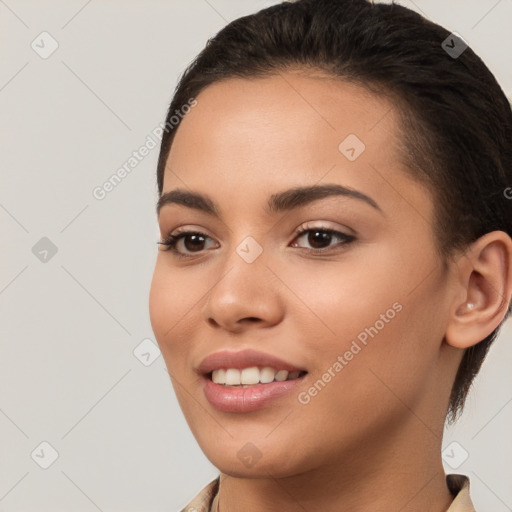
(243, 359)
(250, 398)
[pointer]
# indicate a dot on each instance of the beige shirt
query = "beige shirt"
(457, 484)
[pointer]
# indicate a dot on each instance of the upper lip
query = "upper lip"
(243, 359)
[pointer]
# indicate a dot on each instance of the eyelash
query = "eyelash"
(172, 240)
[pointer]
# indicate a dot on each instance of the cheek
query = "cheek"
(364, 310)
(171, 307)
(339, 299)
(171, 303)
(160, 302)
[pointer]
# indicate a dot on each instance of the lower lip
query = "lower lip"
(237, 399)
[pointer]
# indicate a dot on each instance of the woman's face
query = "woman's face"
(361, 309)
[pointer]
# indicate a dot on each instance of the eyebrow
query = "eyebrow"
(282, 201)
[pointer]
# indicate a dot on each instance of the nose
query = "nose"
(246, 296)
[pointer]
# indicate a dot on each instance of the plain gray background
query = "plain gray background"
(73, 371)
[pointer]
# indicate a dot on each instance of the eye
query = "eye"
(192, 241)
(185, 244)
(320, 238)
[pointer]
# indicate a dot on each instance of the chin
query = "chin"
(245, 459)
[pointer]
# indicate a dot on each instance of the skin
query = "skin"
(371, 439)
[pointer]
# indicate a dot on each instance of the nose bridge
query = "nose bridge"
(246, 253)
(243, 289)
(243, 270)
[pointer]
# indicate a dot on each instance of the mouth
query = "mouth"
(247, 380)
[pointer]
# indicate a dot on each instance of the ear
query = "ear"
(484, 281)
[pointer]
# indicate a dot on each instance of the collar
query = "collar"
(458, 485)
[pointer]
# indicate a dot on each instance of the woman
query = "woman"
(335, 254)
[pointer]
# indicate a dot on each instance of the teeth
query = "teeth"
(281, 375)
(232, 377)
(219, 376)
(267, 375)
(251, 376)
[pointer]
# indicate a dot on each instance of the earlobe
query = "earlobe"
(485, 289)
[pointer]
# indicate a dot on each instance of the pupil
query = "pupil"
(197, 240)
(314, 240)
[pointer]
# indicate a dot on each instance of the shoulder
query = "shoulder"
(203, 501)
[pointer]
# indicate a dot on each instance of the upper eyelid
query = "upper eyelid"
(298, 230)
(324, 224)
(345, 230)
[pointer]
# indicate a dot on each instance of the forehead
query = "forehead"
(288, 129)
(283, 113)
